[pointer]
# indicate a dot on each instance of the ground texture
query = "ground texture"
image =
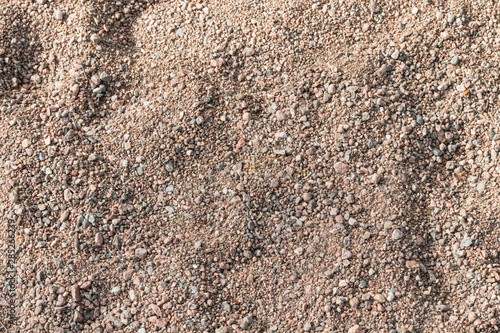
(260, 166)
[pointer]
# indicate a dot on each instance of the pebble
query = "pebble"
(340, 167)
(75, 293)
(466, 242)
(132, 295)
(141, 253)
(298, 251)
(105, 77)
(395, 55)
(116, 290)
(248, 52)
(58, 14)
(225, 307)
(355, 329)
(99, 240)
(397, 234)
(95, 38)
(379, 298)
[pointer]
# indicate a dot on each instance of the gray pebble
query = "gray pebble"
(466, 242)
(437, 152)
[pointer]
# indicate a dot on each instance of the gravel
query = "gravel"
(286, 166)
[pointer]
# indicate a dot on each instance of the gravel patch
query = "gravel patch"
(273, 166)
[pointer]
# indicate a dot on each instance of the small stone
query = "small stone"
(454, 60)
(26, 143)
(466, 242)
(346, 254)
(99, 240)
(75, 293)
(68, 195)
(414, 11)
(64, 216)
(116, 290)
(78, 318)
(471, 317)
(379, 298)
(248, 51)
(412, 264)
(132, 295)
(307, 327)
(141, 253)
(246, 117)
(280, 116)
(58, 14)
(340, 167)
(382, 71)
(127, 275)
(36, 78)
(95, 38)
(105, 77)
(395, 55)
(397, 234)
(250, 225)
(225, 307)
(95, 79)
(437, 152)
(298, 251)
(356, 329)
(443, 307)
(86, 285)
(373, 179)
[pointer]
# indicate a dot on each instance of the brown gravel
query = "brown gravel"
(260, 166)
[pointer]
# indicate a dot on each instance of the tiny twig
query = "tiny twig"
(81, 64)
(83, 68)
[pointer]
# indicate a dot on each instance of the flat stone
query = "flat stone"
(141, 253)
